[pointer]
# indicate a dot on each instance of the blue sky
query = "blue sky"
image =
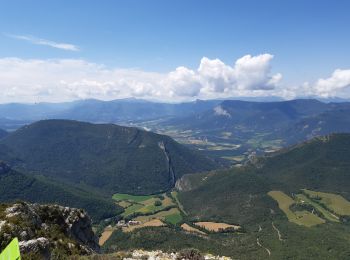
(308, 39)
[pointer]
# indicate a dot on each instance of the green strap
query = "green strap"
(11, 252)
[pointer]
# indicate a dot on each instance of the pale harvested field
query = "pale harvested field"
(105, 236)
(167, 201)
(151, 223)
(124, 204)
(188, 228)
(216, 227)
(304, 217)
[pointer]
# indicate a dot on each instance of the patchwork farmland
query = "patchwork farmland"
(310, 208)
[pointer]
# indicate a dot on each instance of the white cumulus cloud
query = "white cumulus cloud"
(338, 81)
(221, 112)
(33, 80)
(56, 80)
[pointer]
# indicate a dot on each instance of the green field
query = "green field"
(131, 209)
(322, 203)
(173, 218)
(146, 205)
(304, 218)
(333, 202)
(328, 215)
(131, 198)
(174, 194)
(160, 215)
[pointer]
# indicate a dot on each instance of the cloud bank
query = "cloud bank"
(70, 79)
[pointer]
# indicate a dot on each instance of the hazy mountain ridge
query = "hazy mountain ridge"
(251, 124)
(3, 133)
(93, 110)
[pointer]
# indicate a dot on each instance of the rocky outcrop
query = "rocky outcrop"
(183, 184)
(44, 230)
(39, 245)
(186, 254)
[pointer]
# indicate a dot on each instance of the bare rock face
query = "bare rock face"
(46, 230)
(39, 246)
(183, 184)
(75, 222)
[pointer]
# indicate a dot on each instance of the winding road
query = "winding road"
(278, 232)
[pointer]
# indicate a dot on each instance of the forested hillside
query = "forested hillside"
(240, 194)
(17, 186)
(110, 158)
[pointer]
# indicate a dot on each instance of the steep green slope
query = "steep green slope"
(107, 157)
(320, 164)
(232, 196)
(17, 186)
(239, 194)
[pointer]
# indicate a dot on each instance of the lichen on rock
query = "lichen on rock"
(44, 230)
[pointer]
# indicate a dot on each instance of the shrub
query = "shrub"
(157, 203)
(190, 254)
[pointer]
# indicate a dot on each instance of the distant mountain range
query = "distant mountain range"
(288, 121)
(3, 133)
(92, 110)
(14, 115)
(224, 129)
(273, 119)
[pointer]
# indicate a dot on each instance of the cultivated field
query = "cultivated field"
(124, 204)
(105, 235)
(152, 210)
(215, 227)
(173, 216)
(333, 202)
(188, 228)
(303, 217)
(151, 223)
(143, 204)
(328, 215)
(131, 198)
